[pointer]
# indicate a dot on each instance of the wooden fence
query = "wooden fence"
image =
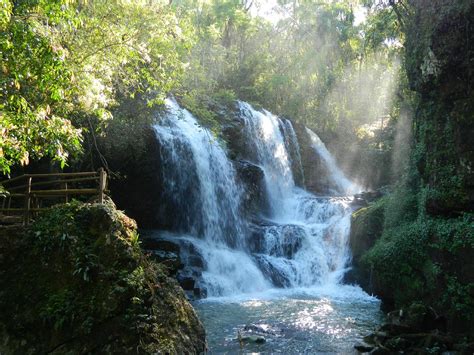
(26, 195)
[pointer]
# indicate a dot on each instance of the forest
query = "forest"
(283, 175)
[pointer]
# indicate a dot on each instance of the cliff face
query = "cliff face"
(77, 282)
(440, 68)
(425, 246)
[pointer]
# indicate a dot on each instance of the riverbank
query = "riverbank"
(76, 281)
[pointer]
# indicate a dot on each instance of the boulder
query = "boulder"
(278, 278)
(366, 228)
(78, 281)
(252, 177)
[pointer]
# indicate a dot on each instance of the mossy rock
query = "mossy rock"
(77, 282)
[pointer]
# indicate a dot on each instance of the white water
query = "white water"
(303, 241)
(280, 270)
(344, 185)
(217, 230)
(320, 225)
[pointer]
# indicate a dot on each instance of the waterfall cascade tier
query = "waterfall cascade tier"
(300, 240)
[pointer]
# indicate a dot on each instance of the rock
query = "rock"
(96, 281)
(422, 318)
(155, 243)
(278, 278)
(276, 240)
(252, 178)
(396, 329)
(397, 343)
(380, 351)
(169, 259)
(375, 337)
(200, 292)
(257, 339)
(260, 329)
(292, 239)
(317, 177)
(195, 261)
(366, 228)
(187, 283)
(363, 347)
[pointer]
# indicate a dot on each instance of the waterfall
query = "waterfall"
(200, 186)
(344, 185)
(300, 242)
(305, 237)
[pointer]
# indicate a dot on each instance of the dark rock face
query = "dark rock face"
(252, 177)
(139, 187)
(78, 281)
(366, 228)
(163, 252)
(440, 58)
(272, 273)
(181, 258)
(275, 240)
(416, 329)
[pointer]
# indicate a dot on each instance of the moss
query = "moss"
(77, 282)
(425, 250)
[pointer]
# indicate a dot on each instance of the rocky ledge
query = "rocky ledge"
(414, 330)
(76, 282)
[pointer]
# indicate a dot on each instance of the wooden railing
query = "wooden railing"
(24, 196)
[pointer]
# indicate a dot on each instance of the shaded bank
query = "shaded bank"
(77, 282)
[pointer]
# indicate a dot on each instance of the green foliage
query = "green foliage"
(64, 61)
(206, 107)
(78, 280)
(399, 257)
(33, 83)
(459, 297)
(405, 259)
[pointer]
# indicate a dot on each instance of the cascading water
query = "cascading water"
(299, 245)
(305, 240)
(343, 185)
(200, 181)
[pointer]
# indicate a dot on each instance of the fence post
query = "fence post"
(65, 188)
(27, 202)
(102, 184)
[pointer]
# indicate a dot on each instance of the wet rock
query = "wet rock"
(413, 330)
(196, 261)
(187, 283)
(154, 243)
(252, 178)
(292, 239)
(200, 292)
(380, 351)
(257, 339)
(169, 259)
(366, 228)
(375, 337)
(396, 329)
(276, 240)
(278, 278)
(397, 343)
(363, 347)
(316, 174)
(260, 329)
(422, 318)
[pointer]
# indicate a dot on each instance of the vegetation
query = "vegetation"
(391, 93)
(73, 68)
(77, 277)
(424, 253)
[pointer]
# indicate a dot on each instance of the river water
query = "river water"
(305, 321)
